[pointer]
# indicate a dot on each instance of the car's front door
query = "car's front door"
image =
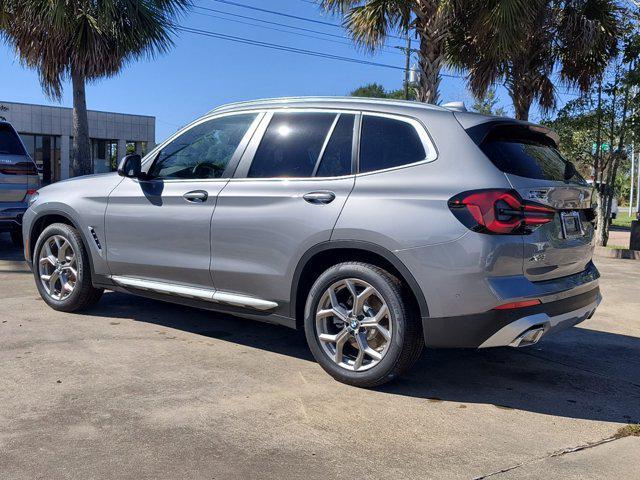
(158, 228)
(285, 197)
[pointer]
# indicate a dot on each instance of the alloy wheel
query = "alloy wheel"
(353, 324)
(57, 267)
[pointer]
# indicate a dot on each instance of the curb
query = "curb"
(621, 253)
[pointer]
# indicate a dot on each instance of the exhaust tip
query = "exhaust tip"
(529, 337)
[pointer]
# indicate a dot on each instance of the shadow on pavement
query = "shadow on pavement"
(11, 256)
(578, 373)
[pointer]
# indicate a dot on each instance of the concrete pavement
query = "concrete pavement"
(141, 389)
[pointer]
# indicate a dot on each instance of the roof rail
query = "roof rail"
(294, 100)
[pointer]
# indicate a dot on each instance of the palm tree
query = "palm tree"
(574, 39)
(370, 22)
(85, 40)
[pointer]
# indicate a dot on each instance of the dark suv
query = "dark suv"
(18, 181)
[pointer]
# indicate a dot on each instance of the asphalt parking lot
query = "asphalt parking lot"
(141, 389)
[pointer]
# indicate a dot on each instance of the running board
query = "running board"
(209, 295)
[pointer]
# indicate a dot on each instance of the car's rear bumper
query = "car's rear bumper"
(516, 327)
(11, 216)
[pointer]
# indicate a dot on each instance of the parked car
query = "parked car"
(18, 181)
(375, 226)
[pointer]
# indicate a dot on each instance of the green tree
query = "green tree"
(376, 90)
(572, 39)
(487, 105)
(85, 40)
(595, 130)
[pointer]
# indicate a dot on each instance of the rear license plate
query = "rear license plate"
(571, 224)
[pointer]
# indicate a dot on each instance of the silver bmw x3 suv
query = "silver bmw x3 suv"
(377, 227)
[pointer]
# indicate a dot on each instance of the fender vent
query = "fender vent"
(95, 237)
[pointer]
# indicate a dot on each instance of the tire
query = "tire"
(398, 353)
(83, 294)
(16, 238)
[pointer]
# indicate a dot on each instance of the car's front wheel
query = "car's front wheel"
(359, 325)
(61, 268)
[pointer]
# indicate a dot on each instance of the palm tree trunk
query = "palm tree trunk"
(81, 156)
(429, 64)
(432, 28)
(522, 105)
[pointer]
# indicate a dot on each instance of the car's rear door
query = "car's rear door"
(534, 167)
(158, 229)
(285, 198)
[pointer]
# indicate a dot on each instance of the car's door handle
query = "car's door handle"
(320, 198)
(196, 196)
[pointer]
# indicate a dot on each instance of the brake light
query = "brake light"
(32, 193)
(524, 303)
(498, 211)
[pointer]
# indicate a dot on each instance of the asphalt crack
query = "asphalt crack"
(558, 453)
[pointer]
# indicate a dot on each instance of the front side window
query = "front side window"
(204, 151)
(388, 142)
(291, 145)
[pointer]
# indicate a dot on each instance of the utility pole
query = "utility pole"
(407, 66)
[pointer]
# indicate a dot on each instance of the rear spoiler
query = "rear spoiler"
(479, 126)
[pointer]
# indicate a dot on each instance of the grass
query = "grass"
(628, 431)
(623, 219)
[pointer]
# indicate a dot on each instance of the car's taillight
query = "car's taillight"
(498, 211)
(31, 194)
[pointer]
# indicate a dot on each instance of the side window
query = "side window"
(204, 151)
(291, 145)
(388, 142)
(336, 159)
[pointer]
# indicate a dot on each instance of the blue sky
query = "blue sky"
(200, 73)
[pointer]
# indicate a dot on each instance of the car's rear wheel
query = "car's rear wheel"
(359, 325)
(61, 268)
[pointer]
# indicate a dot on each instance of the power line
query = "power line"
(387, 49)
(288, 15)
(287, 48)
(312, 53)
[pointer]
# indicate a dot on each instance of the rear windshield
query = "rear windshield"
(519, 151)
(9, 141)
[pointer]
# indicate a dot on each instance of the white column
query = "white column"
(122, 149)
(65, 153)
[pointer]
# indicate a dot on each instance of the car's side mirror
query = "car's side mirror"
(130, 166)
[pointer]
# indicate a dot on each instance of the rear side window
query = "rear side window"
(521, 152)
(291, 145)
(9, 141)
(388, 142)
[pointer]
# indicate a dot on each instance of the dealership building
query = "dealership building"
(46, 132)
